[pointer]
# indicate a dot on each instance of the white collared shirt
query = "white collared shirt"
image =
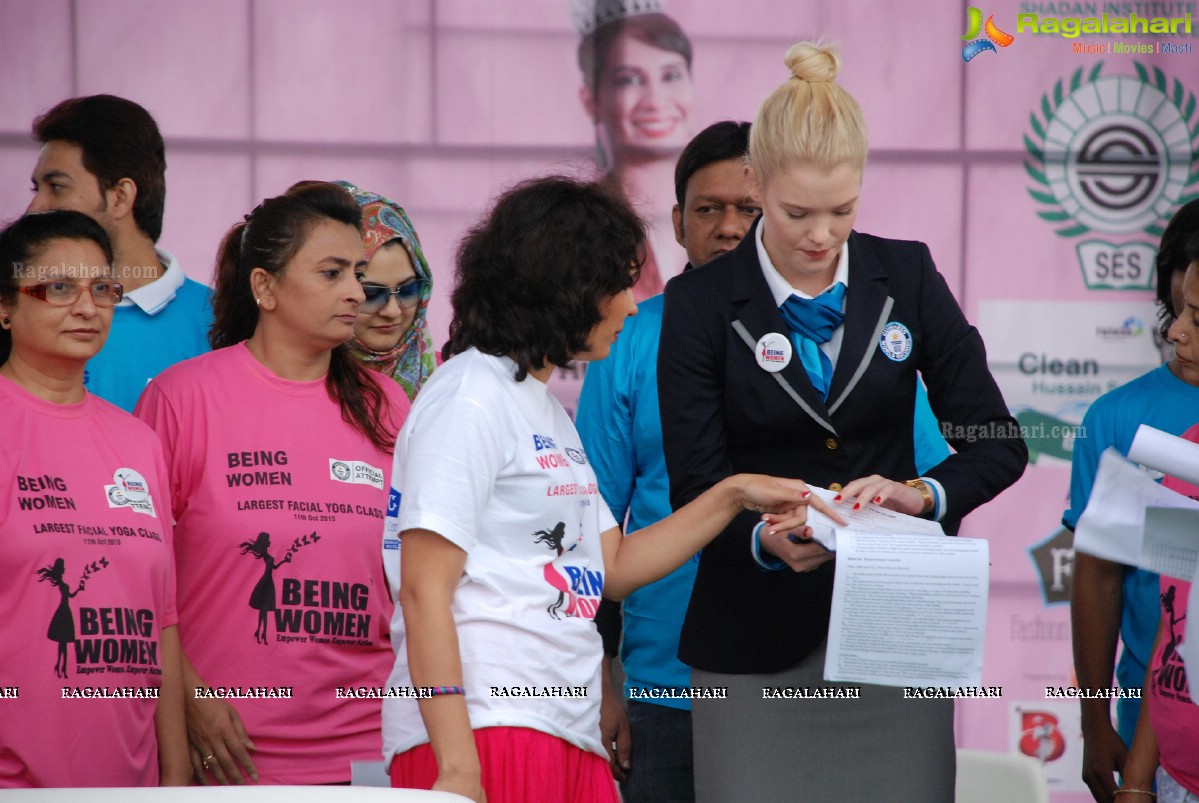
(153, 298)
(781, 289)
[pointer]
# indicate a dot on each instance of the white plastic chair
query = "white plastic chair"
(985, 777)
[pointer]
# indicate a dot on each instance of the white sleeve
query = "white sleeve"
(447, 459)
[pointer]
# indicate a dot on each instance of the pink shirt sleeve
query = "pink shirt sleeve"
(159, 411)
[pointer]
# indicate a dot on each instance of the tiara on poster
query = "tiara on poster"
(587, 15)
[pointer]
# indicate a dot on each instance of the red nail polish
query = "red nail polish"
(877, 499)
(857, 505)
(806, 494)
(837, 498)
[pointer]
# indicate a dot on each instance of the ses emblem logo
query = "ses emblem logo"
(974, 26)
(1115, 156)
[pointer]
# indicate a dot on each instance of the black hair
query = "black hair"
(269, 238)
(21, 241)
(1172, 257)
(716, 143)
(1192, 248)
(119, 139)
(532, 275)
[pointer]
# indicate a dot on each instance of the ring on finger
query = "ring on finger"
(207, 759)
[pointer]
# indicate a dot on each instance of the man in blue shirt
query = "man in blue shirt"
(104, 156)
(619, 424)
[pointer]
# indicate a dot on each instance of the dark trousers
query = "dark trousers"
(661, 771)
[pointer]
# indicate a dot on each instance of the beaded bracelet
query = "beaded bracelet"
(1135, 792)
(436, 690)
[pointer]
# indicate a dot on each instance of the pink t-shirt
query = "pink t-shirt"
(279, 505)
(1175, 717)
(87, 586)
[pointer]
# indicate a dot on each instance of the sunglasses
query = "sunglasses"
(377, 295)
(64, 294)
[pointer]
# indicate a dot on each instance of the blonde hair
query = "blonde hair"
(808, 119)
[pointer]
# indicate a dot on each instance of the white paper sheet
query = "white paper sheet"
(1113, 525)
(1166, 453)
(1132, 520)
(1171, 542)
(870, 518)
(908, 610)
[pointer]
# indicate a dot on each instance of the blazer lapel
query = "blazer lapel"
(753, 305)
(867, 305)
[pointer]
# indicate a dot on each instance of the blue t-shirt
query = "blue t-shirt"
(1165, 402)
(619, 424)
(140, 345)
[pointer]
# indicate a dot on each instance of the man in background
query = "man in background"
(103, 155)
(619, 424)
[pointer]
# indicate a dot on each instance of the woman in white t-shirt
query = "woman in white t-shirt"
(507, 545)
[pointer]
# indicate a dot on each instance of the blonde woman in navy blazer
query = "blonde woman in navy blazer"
(759, 611)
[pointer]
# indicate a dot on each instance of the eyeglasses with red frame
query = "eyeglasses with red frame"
(105, 293)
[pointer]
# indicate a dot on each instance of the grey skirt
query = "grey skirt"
(767, 742)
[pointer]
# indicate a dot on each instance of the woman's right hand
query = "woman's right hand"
(219, 741)
(469, 787)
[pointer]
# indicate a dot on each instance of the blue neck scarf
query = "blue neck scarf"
(812, 323)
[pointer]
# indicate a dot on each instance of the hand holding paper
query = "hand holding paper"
(867, 519)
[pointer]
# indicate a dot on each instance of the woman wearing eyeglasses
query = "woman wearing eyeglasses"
(279, 446)
(88, 644)
(392, 334)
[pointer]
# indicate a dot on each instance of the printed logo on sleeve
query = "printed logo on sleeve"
(355, 472)
(130, 490)
(391, 524)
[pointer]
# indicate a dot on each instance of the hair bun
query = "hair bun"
(813, 62)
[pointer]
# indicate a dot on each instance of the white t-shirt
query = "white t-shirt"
(495, 466)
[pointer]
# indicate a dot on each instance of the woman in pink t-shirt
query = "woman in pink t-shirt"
(278, 444)
(1163, 750)
(85, 552)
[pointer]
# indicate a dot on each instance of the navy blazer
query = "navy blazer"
(722, 414)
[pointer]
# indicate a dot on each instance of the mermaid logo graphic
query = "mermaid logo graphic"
(974, 26)
(578, 589)
(1114, 155)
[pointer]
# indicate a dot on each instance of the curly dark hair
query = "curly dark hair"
(270, 236)
(531, 276)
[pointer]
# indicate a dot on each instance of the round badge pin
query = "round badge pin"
(773, 352)
(131, 484)
(895, 341)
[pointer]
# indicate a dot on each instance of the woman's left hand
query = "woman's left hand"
(884, 492)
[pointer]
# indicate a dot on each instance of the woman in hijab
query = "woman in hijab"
(392, 334)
